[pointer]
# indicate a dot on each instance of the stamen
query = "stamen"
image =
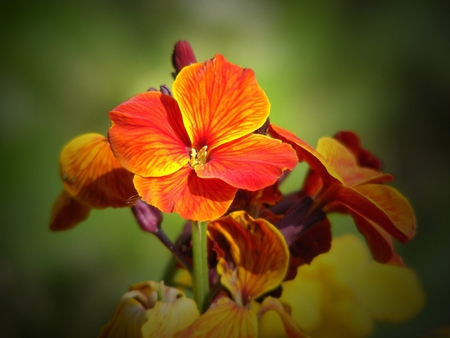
(199, 157)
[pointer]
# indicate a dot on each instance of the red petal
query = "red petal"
(306, 153)
(365, 158)
(147, 135)
(252, 162)
(93, 175)
(220, 102)
(394, 204)
(67, 212)
(364, 206)
(187, 194)
(379, 241)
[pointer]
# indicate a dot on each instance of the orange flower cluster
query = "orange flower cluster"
(208, 151)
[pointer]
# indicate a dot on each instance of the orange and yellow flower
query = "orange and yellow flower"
(92, 179)
(252, 260)
(337, 182)
(151, 309)
(191, 153)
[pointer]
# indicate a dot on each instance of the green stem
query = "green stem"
(200, 266)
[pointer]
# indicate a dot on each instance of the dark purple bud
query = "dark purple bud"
(148, 217)
(263, 129)
(182, 56)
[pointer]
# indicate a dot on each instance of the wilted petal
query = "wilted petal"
(67, 212)
(252, 162)
(220, 102)
(147, 135)
(183, 192)
(223, 319)
(92, 174)
(259, 254)
(364, 157)
(291, 328)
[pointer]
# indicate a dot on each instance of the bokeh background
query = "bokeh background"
(380, 68)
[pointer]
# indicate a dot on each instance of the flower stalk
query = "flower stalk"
(200, 265)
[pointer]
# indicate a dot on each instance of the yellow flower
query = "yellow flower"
(150, 309)
(252, 260)
(344, 291)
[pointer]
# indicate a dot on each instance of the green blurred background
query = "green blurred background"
(380, 68)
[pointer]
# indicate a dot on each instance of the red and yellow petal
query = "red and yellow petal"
(92, 174)
(147, 135)
(223, 319)
(378, 240)
(67, 212)
(307, 153)
(187, 194)
(382, 205)
(220, 102)
(342, 162)
(252, 162)
(393, 204)
(259, 254)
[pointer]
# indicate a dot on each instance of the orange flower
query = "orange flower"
(192, 152)
(150, 309)
(92, 178)
(339, 182)
(252, 260)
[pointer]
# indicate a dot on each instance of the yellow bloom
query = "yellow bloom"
(344, 291)
(150, 309)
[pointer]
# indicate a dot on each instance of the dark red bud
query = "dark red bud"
(182, 56)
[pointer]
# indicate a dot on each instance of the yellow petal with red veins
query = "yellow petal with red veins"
(362, 204)
(223, 319)
(92, 174)
(187, 194)
(291, 328)
(147, 135)
(344, 166)
(67, 212)
(394, 204)
(259, 254)
(252, 162)
(220, 102)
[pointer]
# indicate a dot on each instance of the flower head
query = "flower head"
(191, 153)
(151, 309)
(343, 179)
(252, 260)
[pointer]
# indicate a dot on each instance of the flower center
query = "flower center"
(199, 157)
